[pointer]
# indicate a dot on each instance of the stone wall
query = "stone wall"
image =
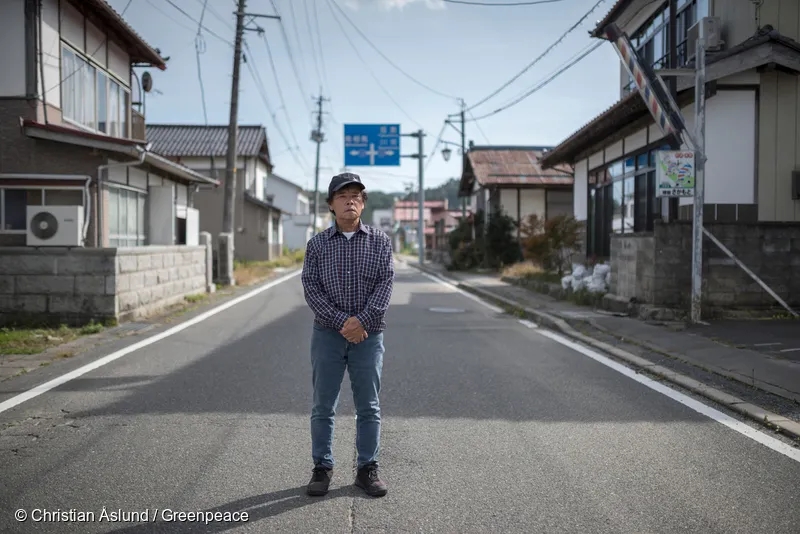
(76, 286)
(656, 268)
(150, 279)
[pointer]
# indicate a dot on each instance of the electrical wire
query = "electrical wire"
(478, 126)
(260, 89)
(368, 69)
(392, 63)
(540, 85)
(542, 55)
(297, 34)
(313, 43)
(435, 145)
(292, 61)
(280, 93)
(327, 84)
(188, 16)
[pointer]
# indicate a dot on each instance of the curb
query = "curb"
(771, 420)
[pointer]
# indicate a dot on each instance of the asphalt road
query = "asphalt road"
(488, 426)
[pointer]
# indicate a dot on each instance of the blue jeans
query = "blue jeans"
(331, 353)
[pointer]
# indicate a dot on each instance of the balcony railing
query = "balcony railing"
(138, 130)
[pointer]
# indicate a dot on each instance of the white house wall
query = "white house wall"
(12, 43)
(614, 151)
(636, 141)
(596, 160)
(532, 201)
(730, 147)
(97, 45)
(51, 54)
(580, 196)
(138, 178)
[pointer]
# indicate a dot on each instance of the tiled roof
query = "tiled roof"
(139, 50)
(512, 165)
(616, 11)
(187, 140)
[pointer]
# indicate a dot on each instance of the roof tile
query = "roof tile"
(189, 140)
(515, 165)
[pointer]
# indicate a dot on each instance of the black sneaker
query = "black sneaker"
(368, 480)
(320, 480)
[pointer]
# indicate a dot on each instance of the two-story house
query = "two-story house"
(752, 196)
(257, 220)
(292, 200)
(67, 127)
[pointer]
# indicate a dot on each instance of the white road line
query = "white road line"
(47, 386)
(790, 350)
(529, 324)
(766, 344)
(699, 407)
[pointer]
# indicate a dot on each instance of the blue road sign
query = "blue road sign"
(371, 145)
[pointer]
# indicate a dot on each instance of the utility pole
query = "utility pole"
(420, 156)
(226, 242)
(318, 137)
(463, 158)
(699, 180)
(226, 239)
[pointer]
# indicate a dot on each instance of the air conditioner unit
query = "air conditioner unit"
(55, 226)
(710, 30)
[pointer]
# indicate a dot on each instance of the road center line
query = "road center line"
(47, 386)
(703, 409)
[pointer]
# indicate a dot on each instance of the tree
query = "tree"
(551, 243)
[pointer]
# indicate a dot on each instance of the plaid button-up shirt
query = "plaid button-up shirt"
(345, 278)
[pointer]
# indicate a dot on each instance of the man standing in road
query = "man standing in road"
(348, 274)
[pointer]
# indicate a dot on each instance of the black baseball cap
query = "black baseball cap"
(342, 180)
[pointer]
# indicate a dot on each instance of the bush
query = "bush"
(502, 247)
(551, 243)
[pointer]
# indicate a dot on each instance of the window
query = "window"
(126, 217)
(621, 199)
(276, 228)
(652, 39)
(91, 98)
(14, 204)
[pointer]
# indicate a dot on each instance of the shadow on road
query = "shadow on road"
(471, 365)
(258, 507)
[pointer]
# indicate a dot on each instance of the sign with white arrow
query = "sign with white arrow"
(371, 145)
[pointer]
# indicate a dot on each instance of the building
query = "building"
(292, 200)
(510, 179)
(751, 140)
(91, 216)
(258, 222)
(382, 218)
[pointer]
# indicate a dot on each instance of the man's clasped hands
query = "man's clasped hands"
(353, 331)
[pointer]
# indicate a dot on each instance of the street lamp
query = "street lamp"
(446, 153)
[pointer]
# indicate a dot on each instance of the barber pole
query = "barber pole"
(652, 91)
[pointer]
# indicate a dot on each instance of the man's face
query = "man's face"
(348, 203)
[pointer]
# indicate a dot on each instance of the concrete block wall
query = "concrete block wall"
(656, 268)
(74, 287)
(59, 286)
(150, 279)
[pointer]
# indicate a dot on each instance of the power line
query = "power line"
(313, 43)
(260, 89)
(392, 63)
(321, 53)
(435, 145)
(297, 34)
(542, 55)
(368, 69)
(285, 36)
(478, 126)
(280, 93)
(188, 16)
(541, 85)
(501, 4)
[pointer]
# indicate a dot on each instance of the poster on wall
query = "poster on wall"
(675, 173)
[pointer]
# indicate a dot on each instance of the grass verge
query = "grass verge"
(251, 272)
(36, 340)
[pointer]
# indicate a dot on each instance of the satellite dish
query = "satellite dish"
(147, 82)
(44, 225)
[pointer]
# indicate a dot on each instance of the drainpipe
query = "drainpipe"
(100, 212)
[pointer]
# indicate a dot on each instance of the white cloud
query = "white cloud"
(392, 4)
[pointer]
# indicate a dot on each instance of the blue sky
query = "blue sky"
(458, 50)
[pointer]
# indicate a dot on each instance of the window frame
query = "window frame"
(140, 239)
(43, 190)
(68, 83)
